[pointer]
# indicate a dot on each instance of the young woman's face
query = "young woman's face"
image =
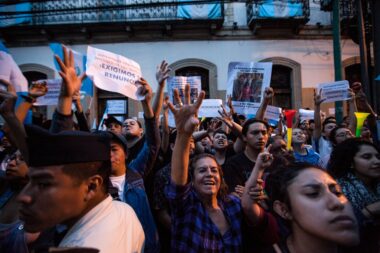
(367, 162)
(319, 208)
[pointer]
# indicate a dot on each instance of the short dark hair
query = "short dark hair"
(81, 171)
(327, 122)
(253, 121)
(219, 131)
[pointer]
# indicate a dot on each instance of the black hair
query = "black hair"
(327, 121)
(278, 181)
(223, 191)
(82, 171)
(253, 121)
(220, 131)
(342, 157)
(333, 133)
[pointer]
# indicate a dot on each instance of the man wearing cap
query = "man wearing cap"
(128, 178)
(69, 179)
(113, 124)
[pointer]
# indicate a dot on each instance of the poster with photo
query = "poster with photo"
(246, 84)
(179, 82)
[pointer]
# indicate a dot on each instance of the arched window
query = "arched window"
(196, 71)
(198, 67)
(286, 82)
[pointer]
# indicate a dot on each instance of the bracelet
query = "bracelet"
(29, 99)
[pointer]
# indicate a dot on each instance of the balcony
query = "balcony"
(278, 14)
(89, 20)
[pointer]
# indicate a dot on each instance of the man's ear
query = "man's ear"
(94, 185)
(282, 210)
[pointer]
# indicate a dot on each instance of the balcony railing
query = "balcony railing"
(270, 12)
(109, 11)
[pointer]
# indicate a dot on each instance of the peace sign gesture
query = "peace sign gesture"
(185, 115)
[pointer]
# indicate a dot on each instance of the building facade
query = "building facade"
(293, 34)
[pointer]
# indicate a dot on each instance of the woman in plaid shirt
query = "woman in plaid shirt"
(204, 218)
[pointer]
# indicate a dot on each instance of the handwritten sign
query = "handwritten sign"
(113, 72)
(335, 91)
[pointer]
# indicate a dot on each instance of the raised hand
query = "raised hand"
(71, 82)
(165, 104)
(162, 73)
(268, 93)
(38, 89)
(225, 116)
(229, 104)
(264, 159)
(145, 89)
(317, 98)
(185, 115)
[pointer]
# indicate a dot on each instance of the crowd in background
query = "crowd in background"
(225, 184)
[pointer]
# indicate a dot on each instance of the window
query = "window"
(281, 84)
(117, 104)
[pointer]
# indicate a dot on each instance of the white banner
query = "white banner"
(306, 114)
(116, 106)
(113, 72)
(246, 84)
(10, 72)
(209, 108)
(179, 82)
(51, 97)
(334, 91)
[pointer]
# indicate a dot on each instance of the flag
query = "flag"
(199, 11)
(105, 116)
(80, 66)
(9, 16)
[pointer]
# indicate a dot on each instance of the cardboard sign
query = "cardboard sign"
(335, 91)
(113, 72)
(306, 114)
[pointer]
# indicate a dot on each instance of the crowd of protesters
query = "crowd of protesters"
(225, 184)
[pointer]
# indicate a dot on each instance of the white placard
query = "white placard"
(335, 91)
(51, 97)
(306, 114)
(246, 84)
(331, 111)
(116, 106)
(272, 114)
(179, 82)
(209, 108)
(113, 72)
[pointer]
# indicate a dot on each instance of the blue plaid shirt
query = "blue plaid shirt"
(192, 228)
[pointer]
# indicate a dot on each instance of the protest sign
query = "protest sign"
(51, 97)
(209, 108)
(306, 114)
(272, 114)
(179, 82)
(334, 91)
(113, 72)
(246, 84)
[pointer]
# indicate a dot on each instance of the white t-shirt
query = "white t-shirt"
(324, 146)
(119, 183)
(111, 227)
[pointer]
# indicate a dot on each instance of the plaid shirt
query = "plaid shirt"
(194, 231)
